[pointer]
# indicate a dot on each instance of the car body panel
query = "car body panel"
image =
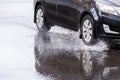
(67, 12)
(50, 8)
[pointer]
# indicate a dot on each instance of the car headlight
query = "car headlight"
(108, 8)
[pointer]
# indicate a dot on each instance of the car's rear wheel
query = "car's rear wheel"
(41, 22)
(88, 30)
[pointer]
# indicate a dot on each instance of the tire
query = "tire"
(88, 30)
(41, 22)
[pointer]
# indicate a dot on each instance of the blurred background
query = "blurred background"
(17, 32)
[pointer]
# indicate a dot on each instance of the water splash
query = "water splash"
(73, 41)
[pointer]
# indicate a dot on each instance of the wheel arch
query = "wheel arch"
(83, 15)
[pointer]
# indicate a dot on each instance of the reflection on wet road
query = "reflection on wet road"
(65, 57)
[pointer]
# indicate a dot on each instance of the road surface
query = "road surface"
(61, 48)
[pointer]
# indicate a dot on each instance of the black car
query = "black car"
(93, 18)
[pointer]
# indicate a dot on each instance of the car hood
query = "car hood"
(111, 2)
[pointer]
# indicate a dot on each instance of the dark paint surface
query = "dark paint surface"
(60, 56)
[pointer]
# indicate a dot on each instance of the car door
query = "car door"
(50, 7)
(67, 12)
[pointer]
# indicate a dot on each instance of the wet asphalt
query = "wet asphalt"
(61, 57)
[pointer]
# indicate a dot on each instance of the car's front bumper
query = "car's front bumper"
(109, 26)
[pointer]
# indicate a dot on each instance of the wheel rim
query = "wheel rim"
(87, 30)
(39, 18)
(87, 63)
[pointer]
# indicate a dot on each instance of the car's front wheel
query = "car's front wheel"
(88, 30)
(41, 20)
